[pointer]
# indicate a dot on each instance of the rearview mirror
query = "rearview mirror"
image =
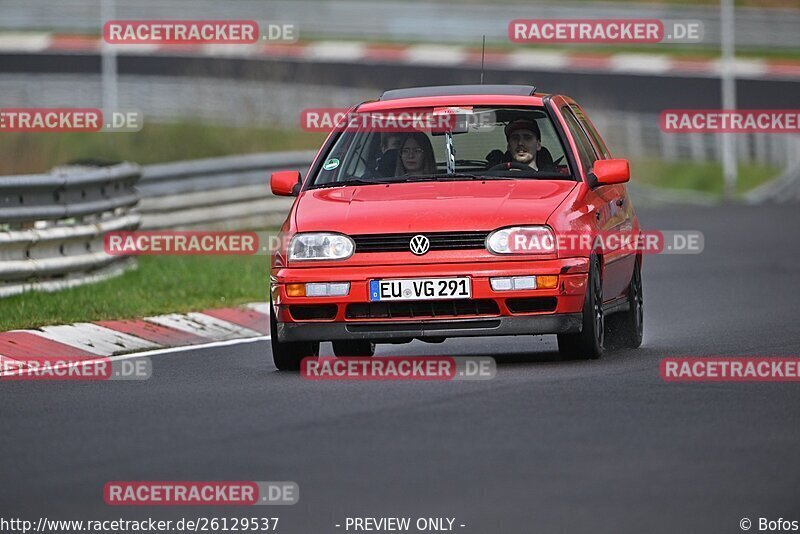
(611, 171)
(285, 183)
(451, 119)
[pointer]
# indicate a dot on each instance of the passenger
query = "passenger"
(387, 162)
(416, 155)
(390, 141)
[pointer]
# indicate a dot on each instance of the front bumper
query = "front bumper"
(561, 316)
(402, 330)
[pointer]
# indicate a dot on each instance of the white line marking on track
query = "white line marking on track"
(24, 42)
(744, 68)
(260, 307)
(184, 348)
(648, 63)
(157, 352)
(208, 320)
(524, 59)
(93, 338)
(436, 54)
(203, 325)
(336, 50)
(230, 50)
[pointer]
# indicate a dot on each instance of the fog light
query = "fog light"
(501, 284)
(296, 290)
(316, 290)
(328, 289)
(338, 289)
(524, 282)
(517, 282)
(548, 281)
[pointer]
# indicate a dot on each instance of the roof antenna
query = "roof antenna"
(483, 55)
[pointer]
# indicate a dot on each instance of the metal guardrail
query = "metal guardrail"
(228, 193)
(67, 192)
(784, 189)
(52, 226)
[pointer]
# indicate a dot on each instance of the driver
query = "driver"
(524, 142)
(524, 146)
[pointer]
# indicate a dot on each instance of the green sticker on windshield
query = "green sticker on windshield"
(331, 164)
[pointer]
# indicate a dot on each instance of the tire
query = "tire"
(589, 343)
(289, 356)
(359, 348)
(625, 329)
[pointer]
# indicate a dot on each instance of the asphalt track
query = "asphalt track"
(618, 91)
(547, 446)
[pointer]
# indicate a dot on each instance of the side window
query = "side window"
(589, 128)
(585, 149)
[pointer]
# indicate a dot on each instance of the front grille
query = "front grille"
(401, 242)
(422, 309)
(531, 304)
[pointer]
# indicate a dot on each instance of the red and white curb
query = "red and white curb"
(135, 337)
(423, 54)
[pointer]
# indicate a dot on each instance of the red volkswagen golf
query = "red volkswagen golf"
(453, 211)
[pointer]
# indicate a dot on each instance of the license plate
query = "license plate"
(420, 289)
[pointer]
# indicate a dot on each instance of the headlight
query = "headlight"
(522, 240)
(320, 246)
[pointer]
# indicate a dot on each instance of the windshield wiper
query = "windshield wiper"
(352, 181)
(445, 177)
(412, 178)
(533, 175)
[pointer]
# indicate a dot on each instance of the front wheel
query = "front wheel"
(287, 356)
(588, 344)
(625, 329)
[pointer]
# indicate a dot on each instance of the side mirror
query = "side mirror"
(285, 183)
(611, 171)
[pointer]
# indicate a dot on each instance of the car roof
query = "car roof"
(450, 90)
(456, 95)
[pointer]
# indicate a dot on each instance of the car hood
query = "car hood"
(430, 206)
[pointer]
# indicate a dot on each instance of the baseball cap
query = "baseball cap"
(523, 124)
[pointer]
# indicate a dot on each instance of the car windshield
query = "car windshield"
(444, 144)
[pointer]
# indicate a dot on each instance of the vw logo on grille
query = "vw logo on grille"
(420, 245)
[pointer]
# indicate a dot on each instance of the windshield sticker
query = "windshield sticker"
(331, 164)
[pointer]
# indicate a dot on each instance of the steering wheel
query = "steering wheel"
(473, 162)
(511, 165)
